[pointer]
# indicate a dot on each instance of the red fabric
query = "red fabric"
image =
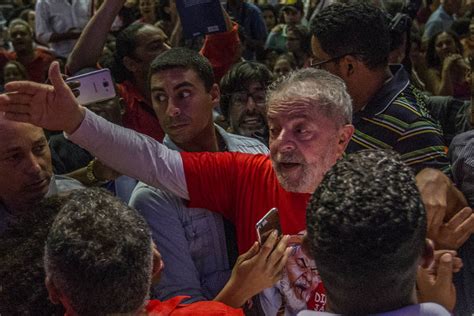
(221, 50)
(139, 114)
(243, 188)
(174, 308)
(37, 69)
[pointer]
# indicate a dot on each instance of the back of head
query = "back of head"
(239, 77)
(366, 230)
(185, 58)
(357, 28)
(98, 254)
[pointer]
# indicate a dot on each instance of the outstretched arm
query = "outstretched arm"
(89, 47)
(128, 152)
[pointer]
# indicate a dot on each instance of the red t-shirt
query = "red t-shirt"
(173, 307)
(139, 114)
(243, 188)
(38, 68)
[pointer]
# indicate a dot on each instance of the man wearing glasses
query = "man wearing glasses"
(352, 41)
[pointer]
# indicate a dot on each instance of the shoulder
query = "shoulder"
(238, 143)
(65, 183)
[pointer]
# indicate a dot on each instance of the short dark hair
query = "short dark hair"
(99, 254)
(22, 289)
(356, 28)
(238, 77)
(432, 58)
(181, 57)
(125, 45)
(366, 228)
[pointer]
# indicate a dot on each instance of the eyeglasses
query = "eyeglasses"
(242, 97)
(319, 64)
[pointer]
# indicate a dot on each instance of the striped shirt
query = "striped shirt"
(396, 118)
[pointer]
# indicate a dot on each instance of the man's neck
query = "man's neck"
(373, 81)
(206, 141)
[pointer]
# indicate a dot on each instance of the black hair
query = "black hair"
(99, 254)
(305, 37)
(360, 29)
(366, 227)
(432, 58)
(460, 27)
(269, 7)
(181, 57)
(238, 77)
(126, 43)
(22, 290)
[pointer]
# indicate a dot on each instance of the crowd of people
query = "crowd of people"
(352, 117)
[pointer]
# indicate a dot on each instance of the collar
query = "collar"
(387, 94)
(171, 145)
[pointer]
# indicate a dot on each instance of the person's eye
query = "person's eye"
(38, 150)
(13, 157)
(160, 97)
(184, 94)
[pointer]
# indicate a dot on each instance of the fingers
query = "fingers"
(279, 250)
(26, 87)
(18, 117)
(465, 230)
(282, 262)
(269, 244)
(445, 271)
(250, 253)
(459, 218)
(57, 80)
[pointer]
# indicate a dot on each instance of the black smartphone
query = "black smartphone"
(268, 223)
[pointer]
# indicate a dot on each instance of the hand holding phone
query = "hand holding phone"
(268, 223)
(94, 86)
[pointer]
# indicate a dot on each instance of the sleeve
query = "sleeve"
(212, 180)
(163, 214)
(221, 50)
(422, 146)
(132, 154)
(43, 30)
(259, 29)
(462, 156)
(271, 42)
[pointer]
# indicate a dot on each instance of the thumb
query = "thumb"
(444, 273)
(57, 80)
(250, 253)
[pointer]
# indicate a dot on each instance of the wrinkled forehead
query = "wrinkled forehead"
(277, 109)
(11, 131)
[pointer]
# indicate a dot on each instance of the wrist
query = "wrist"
(76, 120)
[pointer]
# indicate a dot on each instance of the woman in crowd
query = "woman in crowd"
(298, 43)
(447, 70)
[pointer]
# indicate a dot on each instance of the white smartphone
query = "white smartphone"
(268, 223)
(95, 86)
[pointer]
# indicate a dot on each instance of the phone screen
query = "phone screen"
(268, 223)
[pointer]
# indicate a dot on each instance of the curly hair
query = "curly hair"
(357, 28)
(99, 254)
(366, 229)
(22, 290)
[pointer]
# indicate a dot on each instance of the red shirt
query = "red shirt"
(174, 308)
(139, 114)
(38, 68)
(243, 188)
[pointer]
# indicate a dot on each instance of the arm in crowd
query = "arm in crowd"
(89, 47)
(56, 108)
(450, 222)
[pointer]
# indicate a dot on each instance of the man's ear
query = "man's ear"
(345, 135)
(215, 93)
(427, 256)
(130, 64)
(52, 291)
(157, 266)
(349, 65)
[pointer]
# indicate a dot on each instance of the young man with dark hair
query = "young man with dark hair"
(352, 41)
(100, 260)
(366, 229)
(243, 90)
(198, 246)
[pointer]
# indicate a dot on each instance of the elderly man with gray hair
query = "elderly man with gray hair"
(309, 116)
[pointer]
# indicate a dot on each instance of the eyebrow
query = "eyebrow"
(184, 84)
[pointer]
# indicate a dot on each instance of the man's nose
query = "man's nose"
(33, 164)
(172, 110)
(251, 105)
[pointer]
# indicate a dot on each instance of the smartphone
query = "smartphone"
(95, 86)
(268, 223)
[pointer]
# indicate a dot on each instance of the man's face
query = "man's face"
(292, 16)
(247, 111)
(182, 104)
(151, 42)
(293, 42)
(304, 144)
(21, 37)
(25, 164)
(282, 68)
(146, 7)
(302, 274)
(320, 55)
(11, 72)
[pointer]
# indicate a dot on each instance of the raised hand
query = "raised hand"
(51, 107)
